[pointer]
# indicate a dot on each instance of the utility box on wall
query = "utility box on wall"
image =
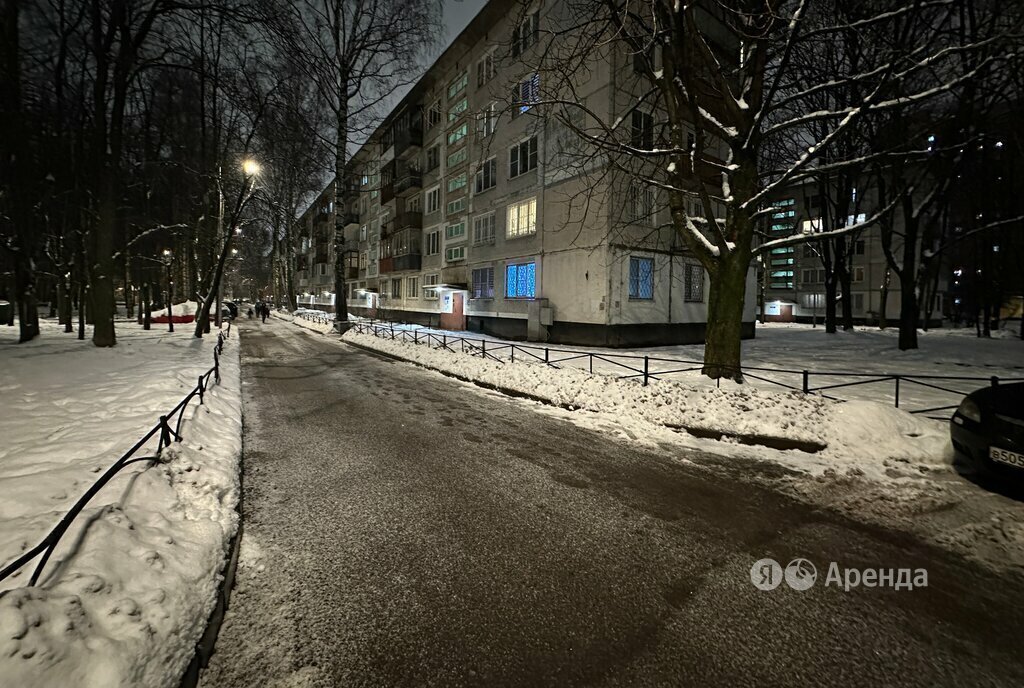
(539, 317)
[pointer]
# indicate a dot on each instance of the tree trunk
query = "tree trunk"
(830, 304)
(908, 314)
(101, 282)
(722, 349)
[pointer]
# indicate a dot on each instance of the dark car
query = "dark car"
(233, 307)
(988, 431)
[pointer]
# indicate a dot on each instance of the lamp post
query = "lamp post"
(168, 258)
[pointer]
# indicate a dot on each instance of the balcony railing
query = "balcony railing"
(409, 219)
(410, 182)
(408, 140)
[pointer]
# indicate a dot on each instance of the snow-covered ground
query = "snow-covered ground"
(313, 321)
(880, 464)
(776, 358)
(128, 591)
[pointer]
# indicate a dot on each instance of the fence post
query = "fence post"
(415, 336)
(546, 356)
(483, 348)
(165, 433)
(591, 363)
(216, 366)
(897, 378)
(807, 382)
(444, 340)
(513, 353)
(200, 388)
(646, 364)
(995, 380)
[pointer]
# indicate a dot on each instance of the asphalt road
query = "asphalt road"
(405, 529)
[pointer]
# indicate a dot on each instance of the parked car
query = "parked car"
(233, 307)
(988, 431)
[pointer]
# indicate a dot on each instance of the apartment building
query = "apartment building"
(473, 212)
(793, 277)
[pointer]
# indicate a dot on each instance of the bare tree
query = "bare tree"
(722, 83)
(357, 52)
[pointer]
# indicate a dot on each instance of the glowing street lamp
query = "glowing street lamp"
(250, 167)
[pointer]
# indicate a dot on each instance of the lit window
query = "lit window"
(641, 278)
(522, 218)
(521, 281)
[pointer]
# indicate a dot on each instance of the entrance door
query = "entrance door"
(456, 319)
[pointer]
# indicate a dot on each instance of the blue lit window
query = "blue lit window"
(641, 278)
(521, 281)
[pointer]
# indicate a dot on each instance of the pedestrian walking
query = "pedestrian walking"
(265, 312)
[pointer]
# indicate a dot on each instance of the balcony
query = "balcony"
(351, 219)
(401, 251)
(410, 183)
(407, 220)
(408, 141)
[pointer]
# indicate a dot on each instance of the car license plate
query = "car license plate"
(1006, 456)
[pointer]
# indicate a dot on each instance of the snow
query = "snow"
(297, 318)
(129, 589)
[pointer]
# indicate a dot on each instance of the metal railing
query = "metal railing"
(167, 435)
(645, 368)
(315, 316)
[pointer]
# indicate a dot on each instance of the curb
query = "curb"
(782, 443)
(205, 646)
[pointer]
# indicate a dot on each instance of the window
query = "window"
(641, 278)
(457, 157)
(858, 273)
(433, 199)
(364, 259)
(522, 157)
(527, 93)
(362, 233)
(694, 286)
(520, 281)
(642, 132)
(483, 229)
(457, 182)
(525, 34)
(522, 218)
(483, 283)
(433, 157)
(641, 203)
(428, 282)
(455, 253)
(458, 134)
(434, 114)
(458, 84)
(814, 301)
(433, 243)
(489, 119)
(396, 288)
(858, 247)
(486, 176)
(455, 231)
(810, 226)
(456, 206)
(412, 287)
(485, 69)
(455, 111)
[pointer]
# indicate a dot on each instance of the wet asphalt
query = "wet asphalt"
(406, 529)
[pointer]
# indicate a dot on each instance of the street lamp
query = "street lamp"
(250, 167)
(168, 258)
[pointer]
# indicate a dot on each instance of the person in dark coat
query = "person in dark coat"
(264, 312)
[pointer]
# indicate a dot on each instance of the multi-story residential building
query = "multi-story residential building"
(471, 214)
(793, 277)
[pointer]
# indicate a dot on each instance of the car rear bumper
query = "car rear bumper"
(972, 445)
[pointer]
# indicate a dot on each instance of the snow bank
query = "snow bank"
(867, 435)
(130, 587)
(297, 319)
